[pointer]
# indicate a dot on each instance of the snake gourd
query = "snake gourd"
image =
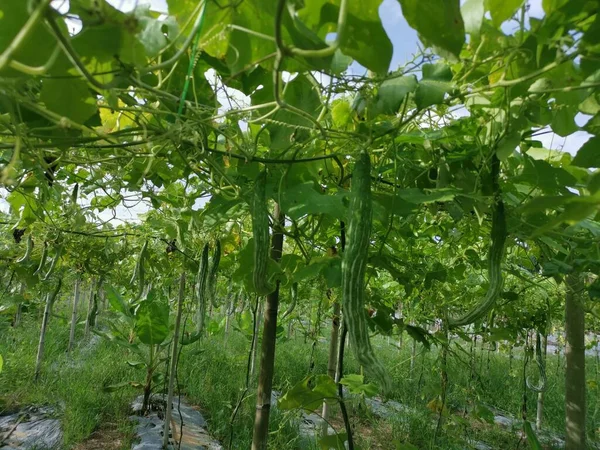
(354, 264)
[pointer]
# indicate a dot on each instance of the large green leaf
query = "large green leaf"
(117, 302)
(502, 10)
(434, 85)
(154, 33)
(392, 93)
(302, 396)
(70, 98)
(364, 38)
(335, 441)
(302, 199)
(472, 12)
(532, 439)
(438, 22)
(341, 113)
(152, 321)
(589, 154)
(563, 122)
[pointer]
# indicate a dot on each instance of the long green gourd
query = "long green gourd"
(212, 276)
(294, 294)
(40, 267)
(53, 263)
(354, 264)
(260, 232)
(27, 254)
(495, 256)
(138, 271)
(201, 289)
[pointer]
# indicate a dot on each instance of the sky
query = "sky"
(405, 43)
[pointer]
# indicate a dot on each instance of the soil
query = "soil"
(108, 437)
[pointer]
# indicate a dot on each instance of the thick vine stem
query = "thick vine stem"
(23, 33)
(495, 255)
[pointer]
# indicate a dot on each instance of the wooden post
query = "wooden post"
(174, 355)
(332, 360)
(575, 364)
(74, 315)
(267, 357)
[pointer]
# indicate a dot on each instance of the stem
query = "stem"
(444, 384)
(575, 364)
(19, 312)
(40, 352)
(23, 33)
(331, 49)
(267, 357)
(90, 311)
(174, 360)
(74, 315)
(332, 360)
(45, 318)
(540, 400)
(338, 376)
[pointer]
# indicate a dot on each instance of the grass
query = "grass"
(72, 384)
(212, 374)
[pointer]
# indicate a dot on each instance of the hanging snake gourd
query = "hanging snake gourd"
(495, 256)
(354, 264)
(212, 275)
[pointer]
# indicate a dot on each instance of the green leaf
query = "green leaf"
(472, 13)
(563, 122)
(434, 85)
(70, 98)
(301, 94)
(1, 363)
(155, 34)
(418, 334)
(502, 10)
(357, 386)
(508, 145)
(532, 439)
(589, 154)
(336, 441)
(483, 413)
(550, 6)
(417, 196)
(152, 321)
(302, 199)
(363, 33)
(392, 93)
(593, 291)
(117, 302)
(438, 22)
(341, 113)
(301, 396)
